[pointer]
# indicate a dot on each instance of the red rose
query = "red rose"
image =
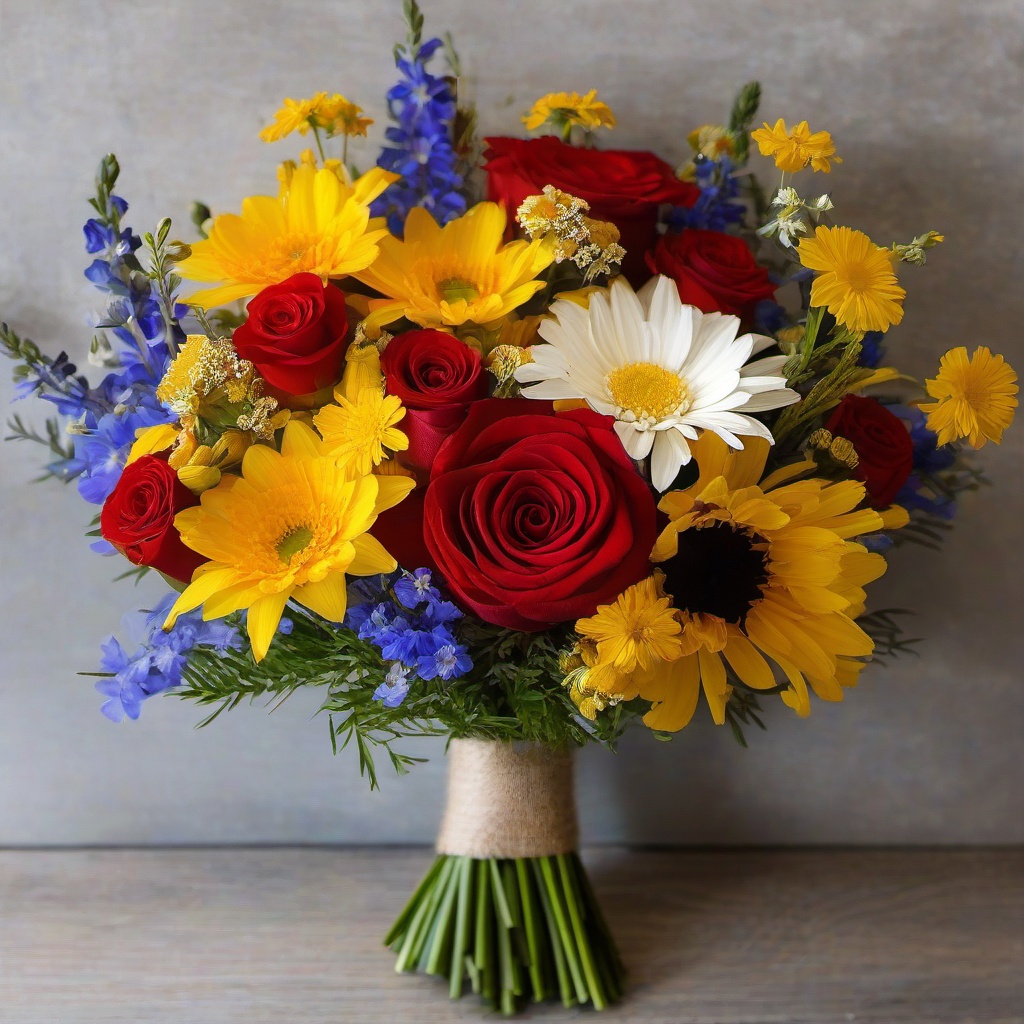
(138, 518)
(882, 444)
(295, 334)
(436, 376)
(713, 271)
(536, 518)
(623, 186)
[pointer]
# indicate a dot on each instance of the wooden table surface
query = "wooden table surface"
(292, 936)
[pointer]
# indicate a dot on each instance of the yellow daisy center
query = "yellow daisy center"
(647, 390)
(452, 289)
(297, 539)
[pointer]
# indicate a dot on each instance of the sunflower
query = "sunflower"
(320, 225)
(458, 274)
(291, 526)
(974, 398)
(855, 281)
(664, 370)
(765, 580)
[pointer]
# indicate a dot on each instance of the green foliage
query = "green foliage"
(743, 709)
(513, 693)
(885, 628)
(744, 110)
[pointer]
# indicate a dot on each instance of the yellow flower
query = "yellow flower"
(334, 113)
(342, 117)
(319, 226)
(565, 110)
(286, 170)
(765, 579)
(461, 273)
(359, 430)
(793, 150)
(290, 527)
(974, 398)
(639, 629)
(294, 116)
(855, 280)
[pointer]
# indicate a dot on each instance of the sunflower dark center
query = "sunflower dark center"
(717, 571)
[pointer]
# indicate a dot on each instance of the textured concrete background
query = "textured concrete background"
(923, 98)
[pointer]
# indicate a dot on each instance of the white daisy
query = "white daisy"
(664, 370)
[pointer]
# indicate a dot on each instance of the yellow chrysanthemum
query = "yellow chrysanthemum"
(461, 273)
(637, 630)
(291, 526)
(794, 149)
(321, 225)
(359, 430)
(974, 398)
(855, 280)
(765, 579)
(334, 114)
(566, 110)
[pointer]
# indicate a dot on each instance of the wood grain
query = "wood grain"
(291, 936)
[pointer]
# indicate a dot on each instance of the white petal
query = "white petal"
(767, 365)
(713, 389)
(757, 384)
(636, 442)
(552, 389)
(670, 452)
(760, 342)
(771, 400)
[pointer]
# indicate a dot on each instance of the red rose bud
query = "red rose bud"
(713, 271)
(625, 187)
(295, 335)
(882, 442)
(436, 376)
(536, 518)
(138, 518)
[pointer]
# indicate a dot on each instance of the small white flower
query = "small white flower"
(664, 370)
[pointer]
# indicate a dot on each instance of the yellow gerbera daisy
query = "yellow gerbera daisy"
(359, 430)
(975, 397)
(763, 578)
(319, 226)
(291, 526)
(638, 629)
(461, 273)
(794, 149)
(855, 280)
(566, 110)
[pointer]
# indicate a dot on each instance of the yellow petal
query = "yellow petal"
(262, 622)
(371, 557)
(150, 440)
(679, 688)
(328, 597)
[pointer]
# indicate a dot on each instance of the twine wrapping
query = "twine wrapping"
(508, 800)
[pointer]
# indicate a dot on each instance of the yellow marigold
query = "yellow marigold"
(794, 149)
(974, 398)
(855, 279)
(566, 110)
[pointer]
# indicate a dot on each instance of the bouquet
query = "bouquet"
(519, 441)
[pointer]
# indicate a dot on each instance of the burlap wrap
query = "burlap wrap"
(508, 800)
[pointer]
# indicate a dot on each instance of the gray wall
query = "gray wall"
(923, 99)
